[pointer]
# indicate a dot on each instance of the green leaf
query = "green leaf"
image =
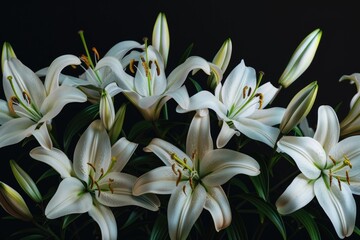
(118, 124)
(160, 228)
(82, 119)
(196, 84)
(138, 130)
(237, 229)
(357, 230)
(134, 216)
(268, 210)
(261, 181)
(307, 220)
(33, 237)
(186, 54)
(49, 173)
(69, 219)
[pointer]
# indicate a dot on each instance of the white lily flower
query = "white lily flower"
(93, 182)
(149, 89)
(240, 104)
(329, 169)
(31, 105)
(194, 178)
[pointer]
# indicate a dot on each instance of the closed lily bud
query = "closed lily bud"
(7, 52)
(161, 37)
(26, 182)
(301, 58)
(107, 112)
(299, 107)
(221, 60)
(13, 203)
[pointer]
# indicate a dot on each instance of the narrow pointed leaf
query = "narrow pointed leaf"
(308, 222)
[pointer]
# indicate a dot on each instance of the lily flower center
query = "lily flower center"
(338, 169)
(94, 185)
(184, 172)
(246, 97)
(23, 101)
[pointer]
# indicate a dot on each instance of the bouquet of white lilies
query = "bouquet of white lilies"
(98, 135)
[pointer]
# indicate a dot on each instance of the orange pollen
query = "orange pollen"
(92, 166)
(339, 182)
(96, 53)
(157, 68)
(244, 91)
(249, 92)
(85, 60)
(146, 68)
(131, 66)
(347, 177)
(26, 96)
(13, 101)
(179, 178)
(332, 159)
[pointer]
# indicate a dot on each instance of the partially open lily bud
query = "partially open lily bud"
(301, 58)
(299, 107)
(161, 37)
(116, 128)
(350, 125)
(26, 182)
(13, 203)
(221, 61)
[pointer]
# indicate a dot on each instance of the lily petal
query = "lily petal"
(218, 206)
(199, 141)
(52, 77)
(104, 217)
(15, 130)
(43, 137)
(120, 49)
(271, 116)
(307, 153)
(92, 148)
(178, 76)
(339, 205)
(225, 134)
(54, 158)
(184, 209)
(298, 194)
(257, 130)
(121, 193)
(328, 130)
(165, 150)
(161, 180)
(219, 165)
(121, 151)
(202, 100)
(69, 198)
(55, 102)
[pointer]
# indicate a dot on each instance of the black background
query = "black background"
(264, 34)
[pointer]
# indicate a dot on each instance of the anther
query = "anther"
(179, 178)
(26, 97)
(109, 184)
(332, 159)
(244, 91)
(173, 168)
(146, 68)
(13, 101)
(191, 183)
(98, 187)
(96, 53)
(92, 182)
(249, 92)
(85, 60)
(92, 166)
(347, 177)
(184, 189)
(131, 66)
(193, 155)
(339, 182)
(157, 67)
(101, 173)
(330, 177)
(261, 99)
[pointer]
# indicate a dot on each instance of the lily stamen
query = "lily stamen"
(96, 53)
(109, 185)
(339, 182)
(157, 67)
(347, 161)
(184, 189)
(179, 178)
(92, 166)
(244, 91)
(249, 92)
(85, 59)
(26, 96)
(347, 177)
(330, 177)
(173, 168)
(98, 188)
(332, 159)
(101, 173)
(92, 181)
(131, 66)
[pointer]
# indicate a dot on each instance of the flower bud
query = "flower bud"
(221, 60)
(107, 112)
(161, 37)
(13, 203)
(301, 58)
(299, 107)
(25, 182)
(350, 125)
